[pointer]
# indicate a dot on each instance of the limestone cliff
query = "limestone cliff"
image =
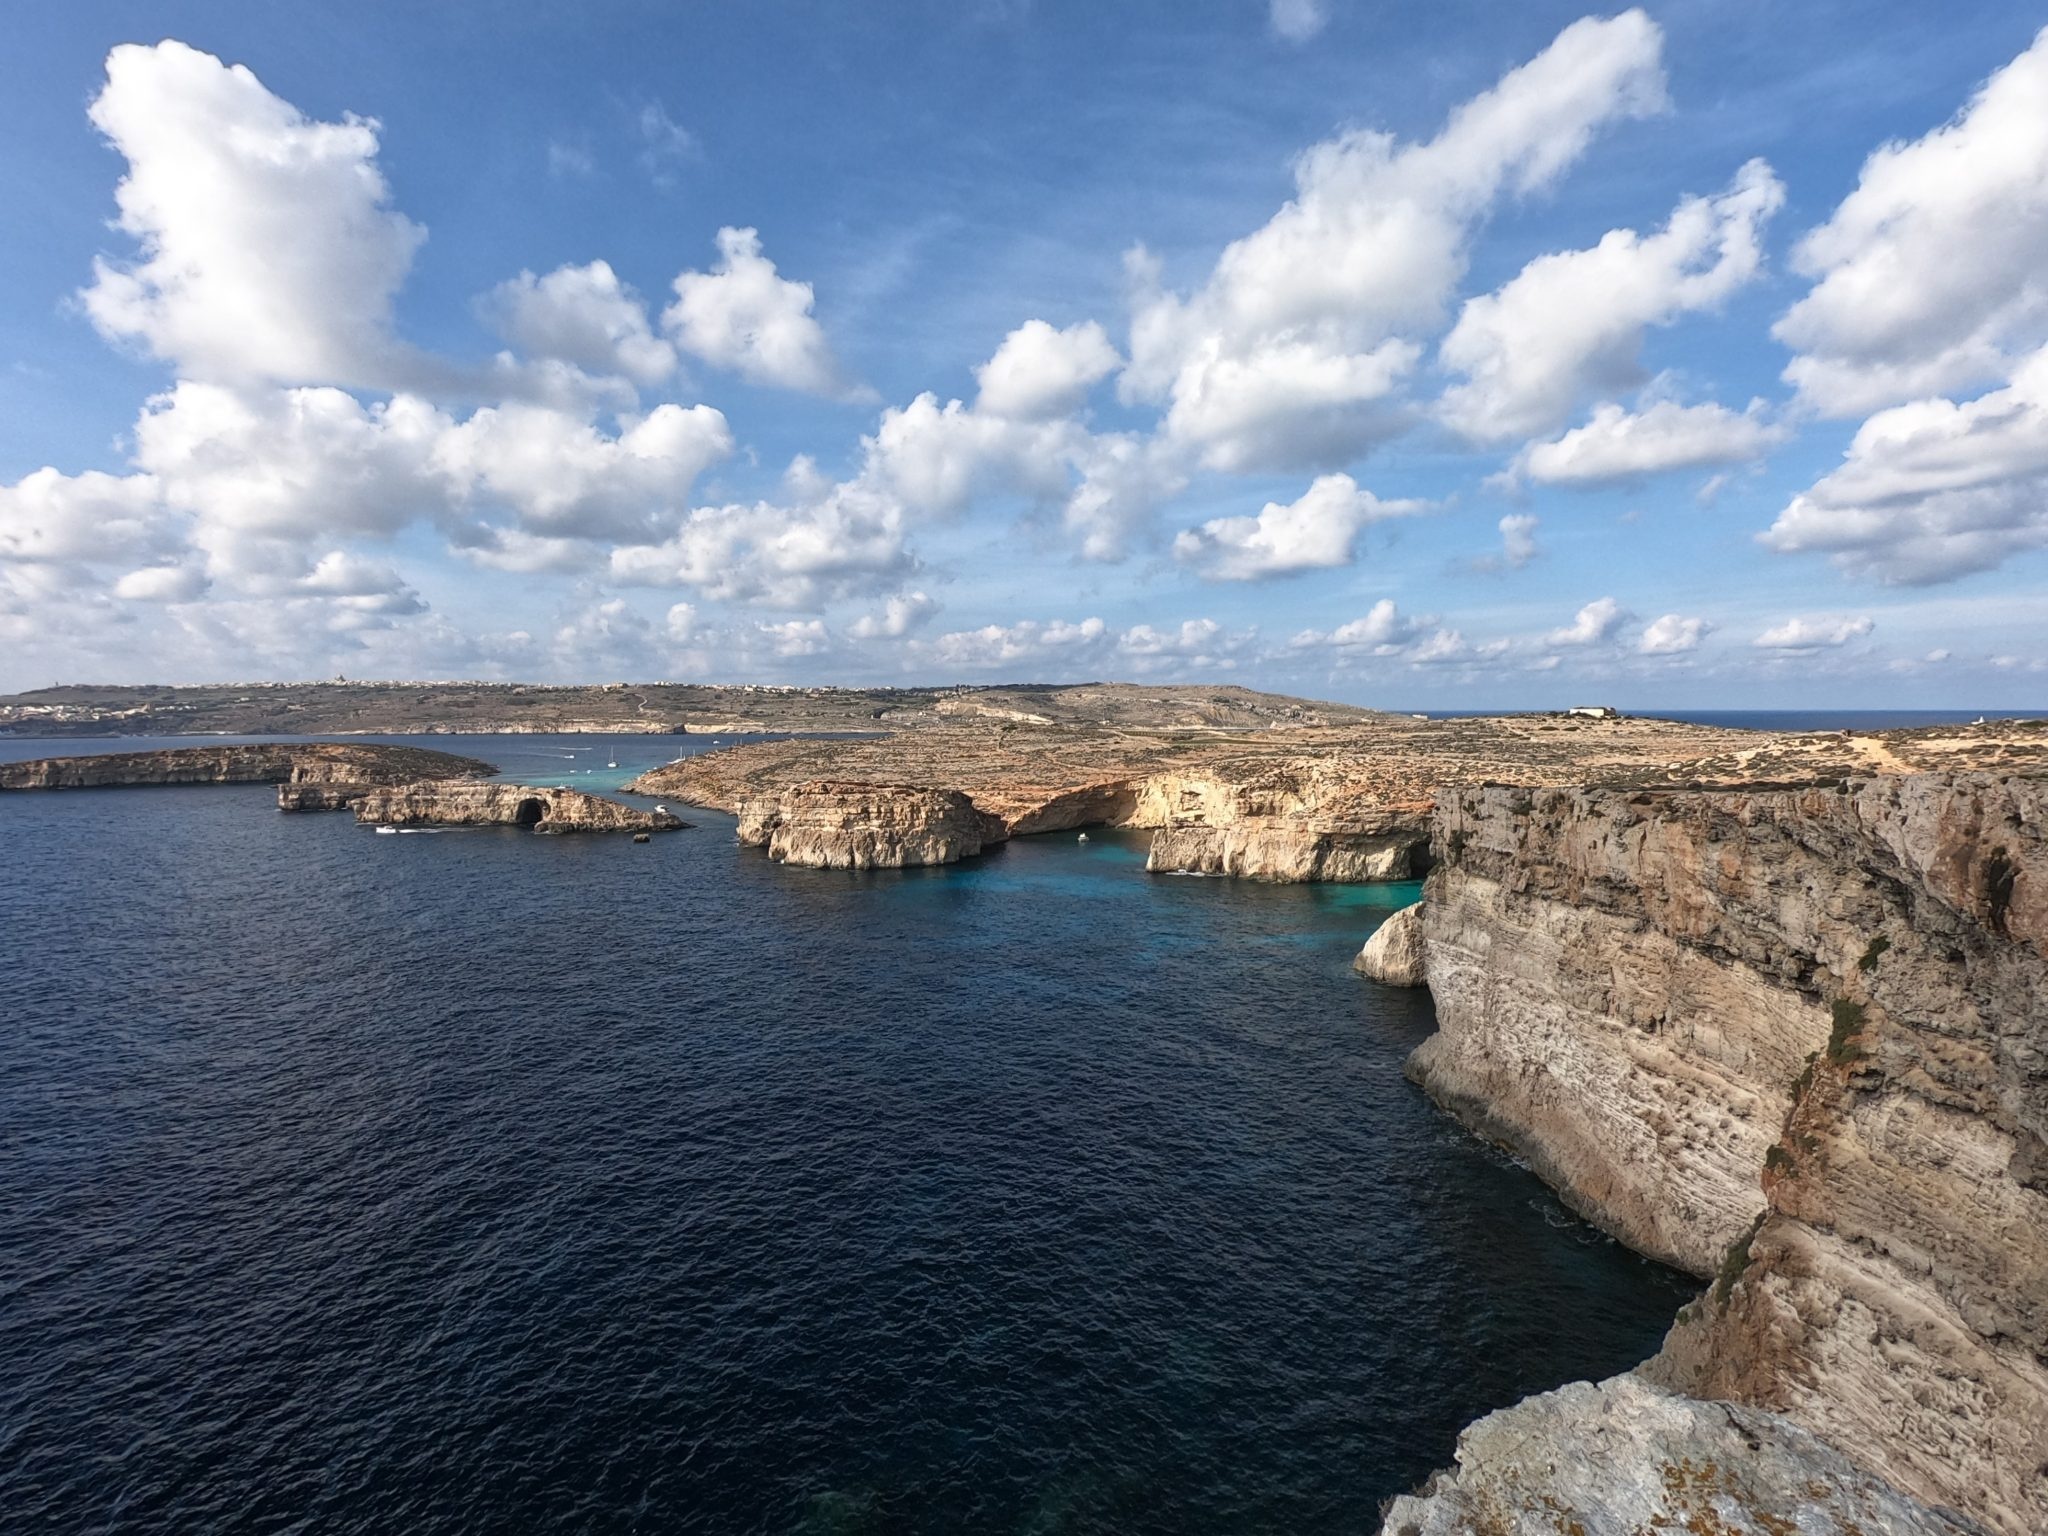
(1796, 1039)
(462, 803)
(865, 826)
(1622, 1458)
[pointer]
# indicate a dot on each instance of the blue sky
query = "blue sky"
(1458, 354)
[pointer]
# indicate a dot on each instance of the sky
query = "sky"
(1447, 355)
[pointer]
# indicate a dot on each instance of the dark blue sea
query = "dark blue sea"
(478, 1181)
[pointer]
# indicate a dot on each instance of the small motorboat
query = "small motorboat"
(1082, 838)
(387, 831)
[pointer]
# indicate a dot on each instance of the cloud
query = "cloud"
(831, 541)
(797, 637)
(1673, 635)
(1594, 624)
(1382, 631)
(1028, 640)
(1039, 373)
(1315, 532)
(1124, 478)
(1617, 444)
(1297, 20)
(1288, 355)
(744, 316)
(583, 316)
(566, 159)
(57, 519)
(1934, 490)
(899, 615)
(268, 251)
(162, 584)
(1936, 262)
(1809, 634)
(565, 478)
(1517, 541)
(665, 145)
(1571, 324)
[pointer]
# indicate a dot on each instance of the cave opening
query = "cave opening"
(529, 813)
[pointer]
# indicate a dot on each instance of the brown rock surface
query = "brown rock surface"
(1296, 799)
(863, 826)
(463, 803)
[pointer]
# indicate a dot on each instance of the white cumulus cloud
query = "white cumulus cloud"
(1315, 532)
(583, 316)
(1673, 635)
(1938, 260)
(1039, 373)
(1594, 624)
(1618, 444)
(1571, 324)
(1933, 490)
(745, 316)
(1288, 355)
(1812, 634)
(268, 249)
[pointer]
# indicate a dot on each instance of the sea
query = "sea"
(478, 1181)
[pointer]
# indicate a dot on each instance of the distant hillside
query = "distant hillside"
(325, 709)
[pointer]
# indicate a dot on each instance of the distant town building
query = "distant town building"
(1595, 711)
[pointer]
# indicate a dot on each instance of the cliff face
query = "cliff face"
(1621, 1458)
(313, 763)
(865, 826)
(1278, 850)
(1795, 1039)
(460, 803)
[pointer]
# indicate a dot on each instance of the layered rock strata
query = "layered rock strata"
(460, 803)
(1622, 1458)
(323, 765)
(865, 826)
(1795, 1039)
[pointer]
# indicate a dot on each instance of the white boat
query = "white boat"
(387, 831)
(1082, 838)
(611, 765)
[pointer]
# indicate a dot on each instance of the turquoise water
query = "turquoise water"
(492, 1182)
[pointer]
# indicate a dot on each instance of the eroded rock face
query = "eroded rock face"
(1394, 955)
(1795, 1039)
(827, 825)
(1620, 1458)
(460, 803)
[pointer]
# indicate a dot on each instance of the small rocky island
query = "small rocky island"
(465, 803)
(337, 771)
(386, 786)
